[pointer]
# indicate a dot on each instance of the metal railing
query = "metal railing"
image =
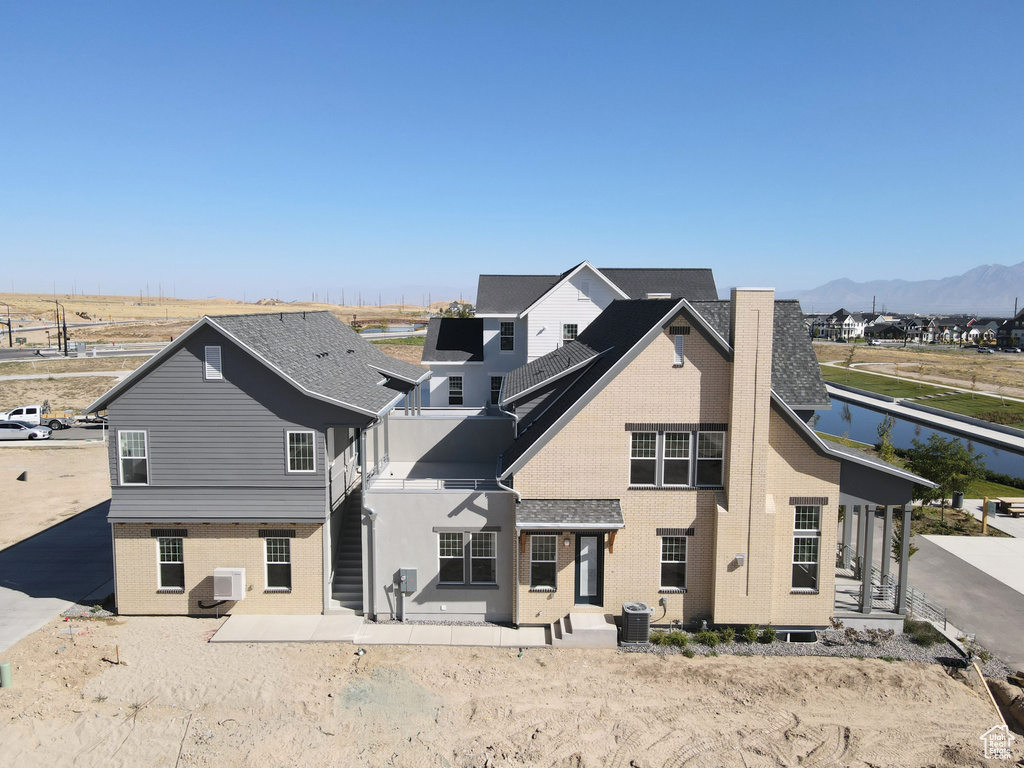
(431, 484)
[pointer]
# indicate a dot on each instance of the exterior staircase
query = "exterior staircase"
(585, 630)
(347, 586)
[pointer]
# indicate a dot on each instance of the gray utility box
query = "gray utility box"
(636, 623)
(407, 580)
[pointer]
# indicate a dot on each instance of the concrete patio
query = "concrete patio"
(353, 629)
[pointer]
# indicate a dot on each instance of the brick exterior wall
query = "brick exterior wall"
(589, 458)
(217, 545)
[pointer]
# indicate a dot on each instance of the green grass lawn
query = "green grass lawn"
(981, 407)
(983, 488)
(409, 341)
(880, 384)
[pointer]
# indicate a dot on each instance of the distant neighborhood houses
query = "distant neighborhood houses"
(843, 325)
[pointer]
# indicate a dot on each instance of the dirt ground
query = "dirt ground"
(64, 394)
(181, 701)
(407, 352)
(998, 372)
(61, 481)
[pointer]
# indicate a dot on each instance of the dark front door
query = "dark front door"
(590, 569)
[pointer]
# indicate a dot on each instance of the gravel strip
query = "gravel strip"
(833, 643)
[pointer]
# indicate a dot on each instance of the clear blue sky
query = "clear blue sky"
(223, 148)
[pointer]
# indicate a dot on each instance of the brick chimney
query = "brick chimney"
(744, 534)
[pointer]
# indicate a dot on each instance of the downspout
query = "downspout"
(371, 515)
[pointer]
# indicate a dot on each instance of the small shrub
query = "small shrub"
(712, 653)
(749, 633)
(726, 634)
(688, 653)
(677, 639)
(851, 635)
(768, 635)
(876, 636)
(890, 659)
(922, 633)
(707, 637)
(659, 638)
(836, 623)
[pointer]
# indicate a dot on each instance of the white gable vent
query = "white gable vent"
(212, 369)
(228, 583)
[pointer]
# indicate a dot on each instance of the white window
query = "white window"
(170, 564)
(676, 466)
(454, 390)
(806, 538)
(569, 331)
(301, 452)
(710, 458)
(483, 557)
(643, 458)
(279, 565)
(507, 334)
(543, 562)
(452, 555)
(134, 457)
(212, 370)
(495, 389)
(673, 563)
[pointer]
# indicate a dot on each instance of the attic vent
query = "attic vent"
(322, 355)
(350, 351)
(275, 533)
(174, 533)
(679, 330)
(212, 370)
(675, 531)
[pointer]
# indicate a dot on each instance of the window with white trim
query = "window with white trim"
(133, 451)
(569, 331)
(301, 451)
(454, 390)
(212, 366)
(710, 459)
(676, 466)
(483, 557)
(452, 556)
(507, 336)
(279, 565)
(543, 562)
(673, 563)
(496, 389)
(643, 458)
(806, 541)
(170, 555)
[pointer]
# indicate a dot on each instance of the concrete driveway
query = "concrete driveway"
(42, 576)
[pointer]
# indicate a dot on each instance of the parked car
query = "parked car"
(874, 343)
(15, 430)
(984, 351)
(1012, 349)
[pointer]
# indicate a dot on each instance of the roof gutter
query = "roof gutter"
(497, 479)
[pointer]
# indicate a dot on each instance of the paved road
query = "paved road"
(43, 575)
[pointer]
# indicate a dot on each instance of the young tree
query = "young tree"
(897, 539)
(886, 451)
(949, 463)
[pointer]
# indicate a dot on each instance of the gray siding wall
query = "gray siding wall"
(406, 539)
(220, 438)
(474, 439)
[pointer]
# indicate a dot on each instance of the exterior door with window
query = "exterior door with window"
(590, 569)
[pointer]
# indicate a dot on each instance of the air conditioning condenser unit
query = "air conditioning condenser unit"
(228, 583)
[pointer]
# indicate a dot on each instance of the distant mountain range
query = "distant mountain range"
(990, 289)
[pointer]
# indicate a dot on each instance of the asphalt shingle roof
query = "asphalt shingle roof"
(323, 355)
(547, 368)
(569, 513)
(454, 340)
(511, 294)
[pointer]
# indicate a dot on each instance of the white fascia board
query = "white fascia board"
(591, 393)
(315, 395)
(566, 279)
(492, 315)
(825, 448)
(549, 379)
(114, 392)
(400, 376)
(451, 362)
(179, 520)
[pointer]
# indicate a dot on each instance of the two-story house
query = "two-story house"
(239, 445)
(522, 317)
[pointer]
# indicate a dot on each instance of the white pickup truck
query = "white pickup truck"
(36, 416)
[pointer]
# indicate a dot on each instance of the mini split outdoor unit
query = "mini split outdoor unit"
(228, 583)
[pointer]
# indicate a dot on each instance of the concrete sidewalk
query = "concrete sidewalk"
(353, 629)
(1012, 526)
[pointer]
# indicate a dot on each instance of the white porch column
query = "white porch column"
(868, 529)
(847, 534)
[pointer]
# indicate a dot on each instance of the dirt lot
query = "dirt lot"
(61, 481)
(70, 394)
(998, 372)
(322, 705)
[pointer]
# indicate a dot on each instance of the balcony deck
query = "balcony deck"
(434, 476)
